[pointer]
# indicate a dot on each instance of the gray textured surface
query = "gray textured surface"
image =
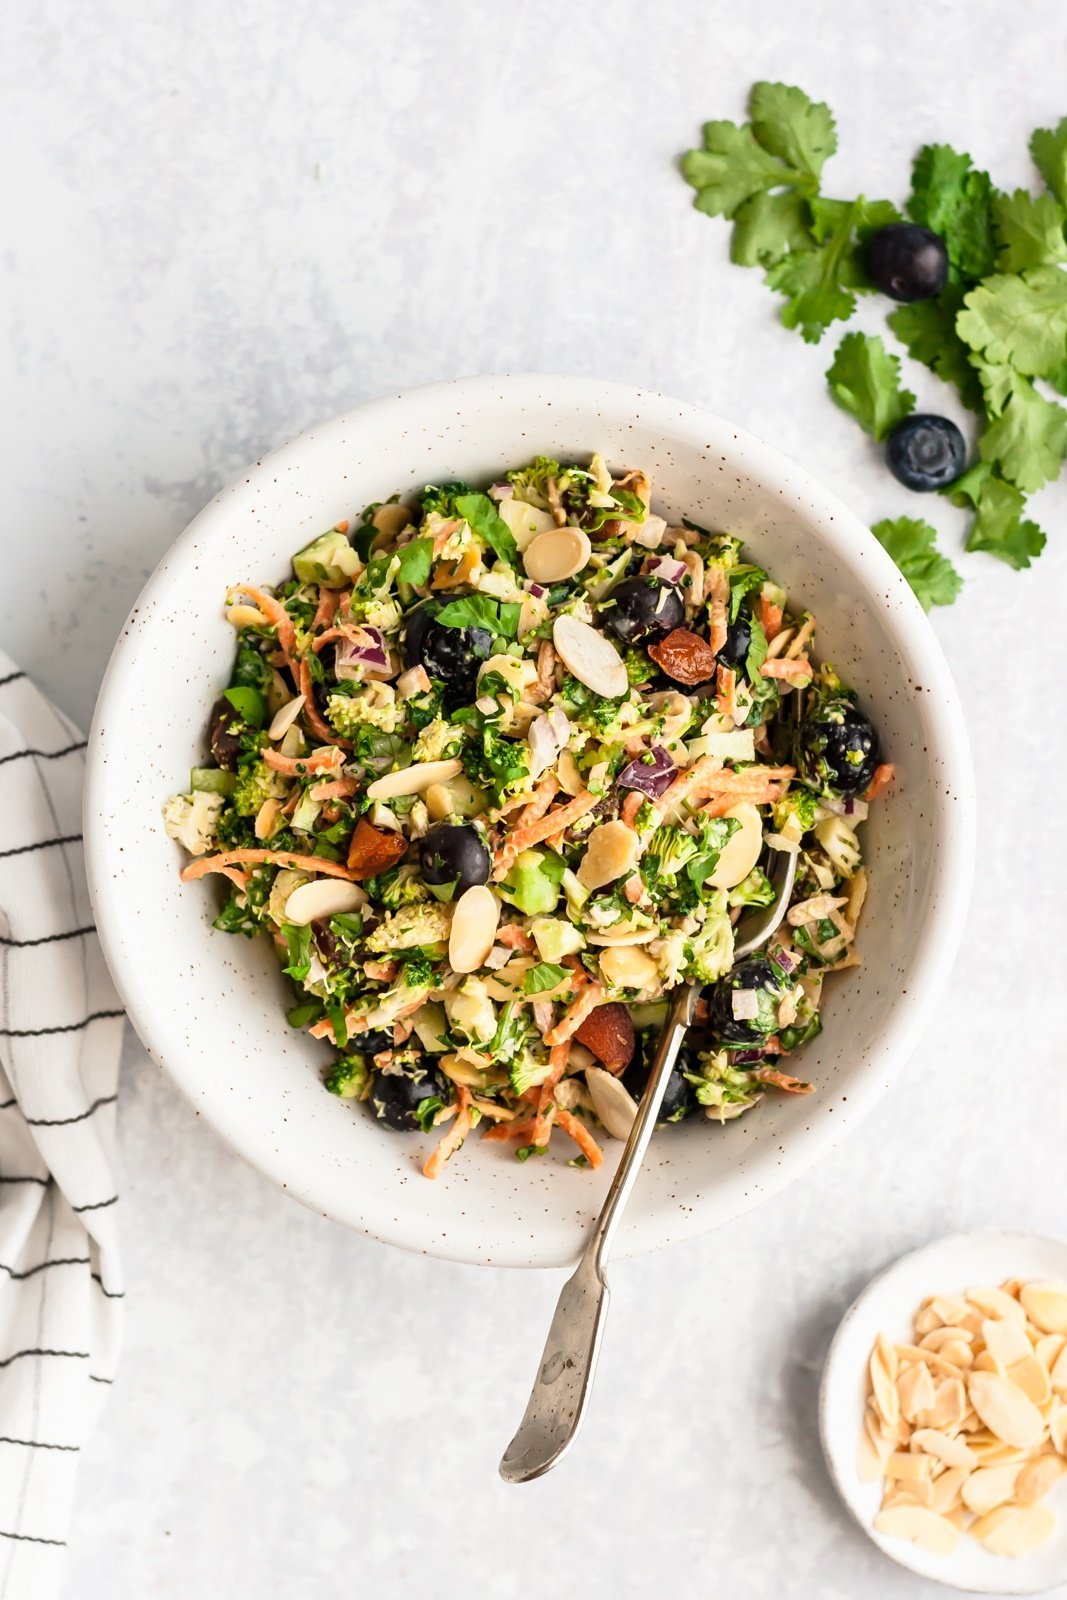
(225, 221)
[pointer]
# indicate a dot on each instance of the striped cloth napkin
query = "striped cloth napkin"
(60, 1039)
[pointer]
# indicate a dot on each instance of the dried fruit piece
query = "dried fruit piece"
(590, 657)
(608, 1031)
(1021, 1529)
(374, 850)
(1046, 1306)
(1005, 1410)
(923, 1527)
(685, 657)
(473, 928)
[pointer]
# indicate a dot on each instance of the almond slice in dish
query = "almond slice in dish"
(944, 1446)
(1005, 1410)
(883, 1388)
(1046, 1306)
(1031, 1376)
(556, 555)
(996, 1303)
(1006, 1340)
(284, 717)
(413, 780)
(915, 1390)
(613, 1104)
(473, 928)
(1037, 1478)
(922, 1526)
(988, 1487)
(1017, 1530)
(590, 657)
(613, 850)
(322, 898)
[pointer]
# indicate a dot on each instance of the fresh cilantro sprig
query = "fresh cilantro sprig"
(913, 546)
(864, 379)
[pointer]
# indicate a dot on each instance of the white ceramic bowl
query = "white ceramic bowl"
(209, 1006)
(947, 1266)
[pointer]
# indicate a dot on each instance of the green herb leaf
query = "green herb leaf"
(416, 560)
(1019, 321)
(912, 545)
(479, 611)
(864, 379)
(1028, 231)
(798, 130)
(303, 1015)
(768, 226)
(999, 526)
(248, 703)
(1048, 147)
(743, 580)
(819, 283)
(731, 166)
(298, 947)
(488, 525)
(546, 975)
(1027, 437)
(951, 197)
(757, 652)
(927, 329)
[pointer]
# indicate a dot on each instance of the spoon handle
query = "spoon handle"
(560, 1394)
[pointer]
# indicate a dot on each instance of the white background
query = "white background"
(223, 221)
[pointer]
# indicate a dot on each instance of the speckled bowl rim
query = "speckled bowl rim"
(875, 575)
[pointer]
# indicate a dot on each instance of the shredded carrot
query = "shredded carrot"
(790, 667)
(310, 710)
(329, 600)
(631, 806)
(527, 834)
(236, 876)
(633, 889)
(277, 858)
(335, 789)
(322, 760)
(558, 1057)
(512, 937)
(502, 1131)
(535, 808)
(444, 532)
(726, 683)
(575, 1129)
(883, 777)
(275, 614)
(770, 617)
(782, 1080)
(453, 1138)
(343, 630)
(588, 999)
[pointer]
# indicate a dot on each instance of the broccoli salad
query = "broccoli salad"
(496, 771)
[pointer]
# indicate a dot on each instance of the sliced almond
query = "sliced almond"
(556, 555)
(1052, 1351)
(949, 1409)
(988, 1487)
(612, 851)
(1057, 1429)
(1046, 1306)
(1006, 1340)
(627, 966)
(995, 1303)
(909, 1467)
(941, 1335)
(391, 520)
(623, 933)
(958, 1352)
(413, 780)
(923, 1527)
(266, 818)
(870, 1457)
(1021, 1530)
(284, 717)
(612, 1103)
(1037, 1478)
(947, 1309)
(1005, 1410)
(952, 1451)
(322, 898)
(882, 1387)
(945, 1490)
(244, 616)
(590, 657)
(915, 1388)
(473, 929)
(1031, 1376)
(742, 850)
(989, 1521)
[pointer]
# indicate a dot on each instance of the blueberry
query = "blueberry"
(373, 1042)
(678, 1098)
(837, 748)
(756, 975)
(454, 850)
(734, 652)
(224, 737)
(641, 608)
(451, 656)
(907, 262)
(396, 1096)
(926, 452)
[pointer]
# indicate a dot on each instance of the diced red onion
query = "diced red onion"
(669, 570)
(784, 960)
(502, 491)
(653, 777)
(537, 590)
(745, 1058)
(367, 649)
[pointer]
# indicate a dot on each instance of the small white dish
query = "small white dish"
(887, 1305)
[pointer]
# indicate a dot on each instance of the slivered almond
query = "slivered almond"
(556, 554)
(1006, 1340)
(613, 1104)
(995, 1303)
(1031, 1376)
(915, 1389)
(1005, 1410)
(909, 1467)
(590, 657)
(1021, 1529)
(953, 1452)
(949, 1409)
(941, 1335)
(1037, 1478)
(1046, 1306)
(413, 780)
(988, 1487)
(885, 1395)
(322, 898)
(922, 1526)
(945, 1489)
(284, 717)
(473, 928)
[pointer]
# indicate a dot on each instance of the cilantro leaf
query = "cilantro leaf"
(479, 611)
(818, 283)
(798, 130)
(416, 560)
(913, 546)
(298, 951)
(864, 379)
(487, 524)
(927, 329)
(1027, 437)
(757, 652)
(865, 217)
(768, 226)
(1028, 231)
(1019, 320)
(951, 197)
(731, 166)
(998, 527)
(1048, 147)
(546, 975)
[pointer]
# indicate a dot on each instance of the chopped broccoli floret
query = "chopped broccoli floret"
(367, 708)
(256, 782)
(794, 814)
(349, 1077)
(531, 483)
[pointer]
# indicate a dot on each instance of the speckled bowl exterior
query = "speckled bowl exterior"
(210, 1007)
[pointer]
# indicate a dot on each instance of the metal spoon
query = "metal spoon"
(560, 1394)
